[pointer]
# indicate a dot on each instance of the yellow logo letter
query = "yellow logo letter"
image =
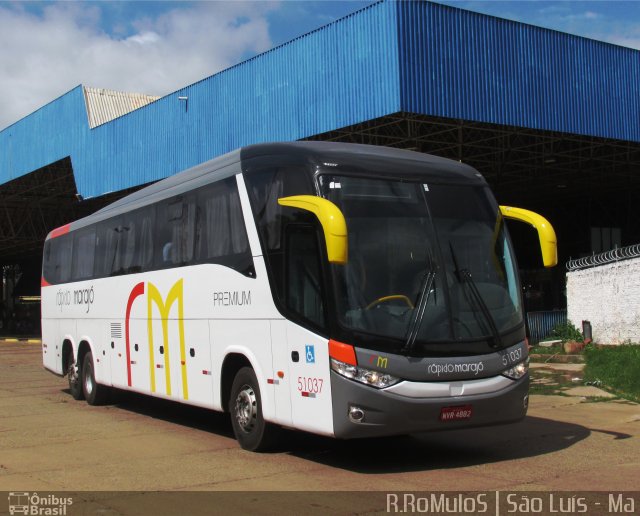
(153, 296)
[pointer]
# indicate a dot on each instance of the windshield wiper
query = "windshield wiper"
(418, 311)
(464, 276)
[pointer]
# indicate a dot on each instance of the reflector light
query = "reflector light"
(343, 352)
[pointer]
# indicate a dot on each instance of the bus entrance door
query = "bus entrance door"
(196, 373)
(139, 373)
(310, 389)
(282, 376)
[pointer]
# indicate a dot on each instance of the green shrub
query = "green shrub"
(615, 367)
(564, 332)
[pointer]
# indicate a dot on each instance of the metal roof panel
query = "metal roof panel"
(106, 105)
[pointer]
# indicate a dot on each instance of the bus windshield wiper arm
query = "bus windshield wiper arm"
(465, 277)
(418, 311)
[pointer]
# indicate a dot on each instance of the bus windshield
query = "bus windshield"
(432, 260)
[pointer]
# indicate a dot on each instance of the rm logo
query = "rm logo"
(379, 361)
(175, 296)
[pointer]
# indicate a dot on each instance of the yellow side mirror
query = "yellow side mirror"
(333, 224)
(546, 233)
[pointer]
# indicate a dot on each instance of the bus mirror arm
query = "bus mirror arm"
(546, 233)
(332, 220)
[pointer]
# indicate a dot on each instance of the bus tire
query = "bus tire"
(245, 405)
(75, 385)
(94, 393)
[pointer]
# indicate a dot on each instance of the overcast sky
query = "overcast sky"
(151, 47)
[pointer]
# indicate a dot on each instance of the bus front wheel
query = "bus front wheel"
(94, 393)
(245, 405)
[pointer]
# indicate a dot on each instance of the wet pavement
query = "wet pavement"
(564, 379)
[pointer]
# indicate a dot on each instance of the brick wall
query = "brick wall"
(609, 297)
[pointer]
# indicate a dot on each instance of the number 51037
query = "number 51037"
(308, 384)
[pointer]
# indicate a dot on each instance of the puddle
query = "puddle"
(568, 378)
(552, 381)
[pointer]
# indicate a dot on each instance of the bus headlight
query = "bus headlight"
(366, 376)
(517, 371)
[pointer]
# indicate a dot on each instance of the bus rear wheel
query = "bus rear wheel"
(245, 405)
(94, 393)
(75, 385)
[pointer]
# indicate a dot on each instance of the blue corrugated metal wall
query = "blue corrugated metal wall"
(541, 324)
(460, 64)
(389, 57)
(342, 74)
(45, 136)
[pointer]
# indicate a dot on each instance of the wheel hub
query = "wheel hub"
(88, 382)
(73, 372)
(246, 409)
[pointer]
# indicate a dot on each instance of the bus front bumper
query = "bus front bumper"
(363, 411)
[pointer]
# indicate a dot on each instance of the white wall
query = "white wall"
(609, 297)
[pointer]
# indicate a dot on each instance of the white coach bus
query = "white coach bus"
(344, 290)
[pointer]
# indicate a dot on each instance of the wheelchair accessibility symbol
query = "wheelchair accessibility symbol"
(310, 353)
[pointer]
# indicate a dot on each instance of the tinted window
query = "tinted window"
(176, 231)
(57, 259)
(108, 242)
(145, 242)
(136, 248)
(84, 249)
(47, 262)
(265, 188)
(128, 245)
(221, 233)
(63, 258)
(304, 280)
(204, 226)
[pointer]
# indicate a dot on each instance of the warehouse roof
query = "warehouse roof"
(391, 57)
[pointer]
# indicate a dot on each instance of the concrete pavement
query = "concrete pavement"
(50, 442)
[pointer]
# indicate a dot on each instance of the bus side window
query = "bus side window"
(137, 241)
(107, 260)
(63, 258)
(48, 264)
(168, 215)
(303, 273)
(188, 230)
(265, 187)
(214, 235)
(145, 242)
(220, 233)
(128, 245)
(176, 231)
(84, 249)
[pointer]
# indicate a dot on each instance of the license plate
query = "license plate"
(456, 413)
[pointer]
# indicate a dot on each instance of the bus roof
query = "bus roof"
(366, 157)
